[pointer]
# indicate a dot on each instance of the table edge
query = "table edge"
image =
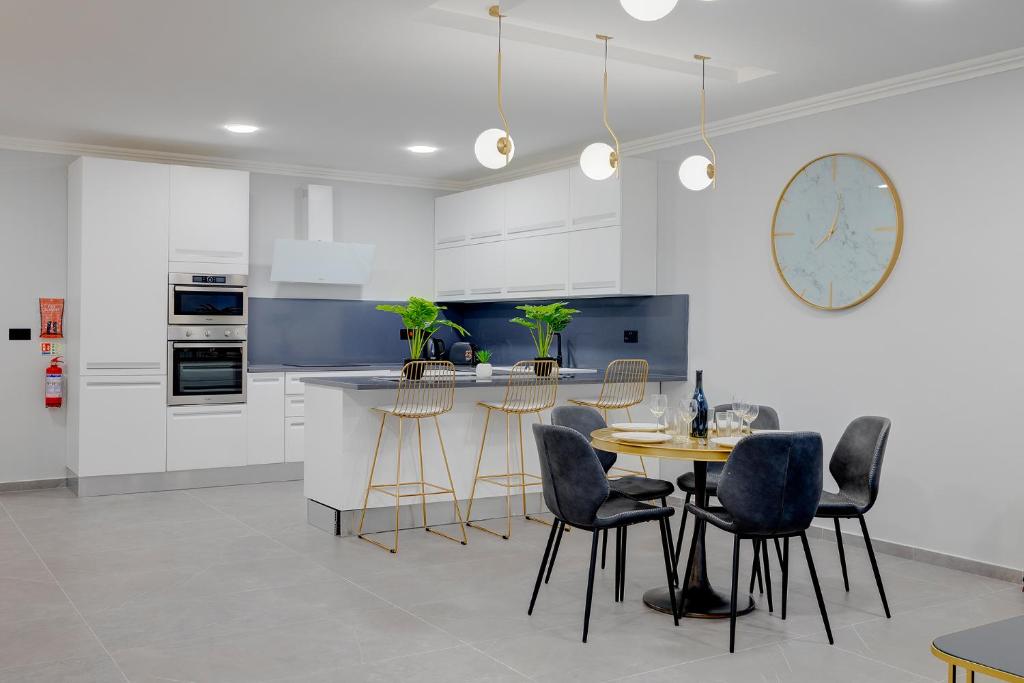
(977, 667)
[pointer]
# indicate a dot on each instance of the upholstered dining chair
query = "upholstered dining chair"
(769, 488)
(585, 420)
(856, 465)
(577, 492)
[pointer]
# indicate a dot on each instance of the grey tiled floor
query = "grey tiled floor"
(230, 584)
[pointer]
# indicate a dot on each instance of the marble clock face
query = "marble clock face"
(837, 231)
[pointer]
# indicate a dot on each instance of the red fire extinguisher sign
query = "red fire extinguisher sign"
(54, 390)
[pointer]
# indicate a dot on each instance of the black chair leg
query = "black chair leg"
(543, 563)
(767, 574)
(874, 565)
(554, 551)
(778, 551)
(735, 588)
(755, 570)
(618, 561)
(679, 539)
(785, 574)
(817, 587)
(685, 578)
(666, 549)
(604, 547)
(622, 572)
(590, 586)
(842, 554)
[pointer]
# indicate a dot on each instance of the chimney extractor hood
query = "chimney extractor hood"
(319, 259)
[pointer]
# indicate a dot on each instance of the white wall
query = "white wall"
(33, 264)
(937, 350)
(399, 220)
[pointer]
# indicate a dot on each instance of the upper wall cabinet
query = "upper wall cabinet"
(473, 216)
(537, 205)
(209, 218)
(595, 203)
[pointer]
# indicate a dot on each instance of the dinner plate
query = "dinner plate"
(772, 431)
(641, 437)
(637, 426)
(727, 441)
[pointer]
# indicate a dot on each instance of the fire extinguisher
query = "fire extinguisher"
(54, 384)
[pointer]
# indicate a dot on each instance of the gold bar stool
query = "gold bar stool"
(532, 388)
(625, 382)
(426, 389)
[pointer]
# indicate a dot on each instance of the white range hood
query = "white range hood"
(318, 259)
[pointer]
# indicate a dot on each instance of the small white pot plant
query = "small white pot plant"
(543, 321)
(484, 369)
(421, 318)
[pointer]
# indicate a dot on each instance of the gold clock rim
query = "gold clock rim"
(897, 247)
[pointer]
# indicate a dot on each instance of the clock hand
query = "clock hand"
(835, 223)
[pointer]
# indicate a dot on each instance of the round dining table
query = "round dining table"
(702, 600)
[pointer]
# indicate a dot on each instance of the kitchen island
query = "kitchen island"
(341, 431)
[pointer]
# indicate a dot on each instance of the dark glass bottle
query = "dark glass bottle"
(699, 427)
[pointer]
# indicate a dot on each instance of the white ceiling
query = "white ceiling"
(347, 84)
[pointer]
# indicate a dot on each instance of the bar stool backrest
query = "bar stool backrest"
(425, 389)
(625, 381)
(532, 386)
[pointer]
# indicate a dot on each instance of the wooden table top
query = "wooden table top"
(677, 449)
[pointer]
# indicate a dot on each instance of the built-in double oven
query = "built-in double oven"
(206, 338)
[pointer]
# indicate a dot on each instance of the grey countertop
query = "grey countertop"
(461, 381)
(281, 367)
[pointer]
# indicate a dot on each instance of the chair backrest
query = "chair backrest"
(425, 388)
(532, 386)
(625, 381)
(572, 478)
(772, 482)
(767, 417)
(584, 420)
(856, 463)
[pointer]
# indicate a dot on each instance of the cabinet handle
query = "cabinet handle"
(481, 235)
(596, 284)
(95, 383)
(208, 413)
(451, 240)
(296, 424)
(594, 217)
(536, 288)
(535, 227)
(450, 292)
(486, 290)
(266, 380)
(209, 252)
(123, 365)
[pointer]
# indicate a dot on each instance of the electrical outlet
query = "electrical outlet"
(403, 334)
(631, 336)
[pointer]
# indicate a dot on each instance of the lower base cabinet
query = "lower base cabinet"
(294, 439)
(201, 437)
(264, 397)
(121, 425)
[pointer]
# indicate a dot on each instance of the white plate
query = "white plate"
(641, 437)
(727, 441)
(772, 431)
(637, 426)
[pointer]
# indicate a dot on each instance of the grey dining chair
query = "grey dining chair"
(576, 491)
(856, 465)
(769, 488)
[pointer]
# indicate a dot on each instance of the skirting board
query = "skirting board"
(34, 485)
(185, 479)
(909, 552)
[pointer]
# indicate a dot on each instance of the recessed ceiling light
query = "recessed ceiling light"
(244, 128)
(422, 149)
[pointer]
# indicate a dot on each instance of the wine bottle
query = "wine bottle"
(699, 427)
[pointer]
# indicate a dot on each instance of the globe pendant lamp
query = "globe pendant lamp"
(494, 147)
(698, 172)
(599, 160)
(648, 10)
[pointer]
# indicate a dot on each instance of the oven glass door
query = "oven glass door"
(206, 373)
(209, 305)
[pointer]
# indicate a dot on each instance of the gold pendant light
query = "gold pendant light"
(697, 172)
(598, 160)
(494, 147)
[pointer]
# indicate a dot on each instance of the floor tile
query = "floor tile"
(456, 665)
(41, 641)
(78, 670)
(24, 600)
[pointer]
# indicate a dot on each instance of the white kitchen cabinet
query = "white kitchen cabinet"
(471, 216)
(117, 267)
(485, 269)
(450, 273)
(294, 439)
(595, 261)
(595, 203)
(537, 205)
(265, 404)
(121, 425)
(201, 437)
(295, 406)
(537, 266)
(294, 386)
(209, 217)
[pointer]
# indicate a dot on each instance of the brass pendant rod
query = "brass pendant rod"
(703, 116)
(604, 106)
(495, 11)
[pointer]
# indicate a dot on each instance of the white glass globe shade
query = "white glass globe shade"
(648, 10)
(693, 172)
(596, 161)
(486, 149)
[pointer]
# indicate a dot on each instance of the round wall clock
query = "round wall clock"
(837, 231)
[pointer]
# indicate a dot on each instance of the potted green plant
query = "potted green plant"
(484, 369)
(421, 319)
(543, 321)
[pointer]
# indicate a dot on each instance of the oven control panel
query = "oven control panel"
(209, 333)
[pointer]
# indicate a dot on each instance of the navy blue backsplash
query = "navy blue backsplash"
(340, 332)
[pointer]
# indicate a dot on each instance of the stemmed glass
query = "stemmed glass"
(750, 415)
(687, 413)
(740, 407)
(658, 405)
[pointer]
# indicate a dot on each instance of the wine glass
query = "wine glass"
(750, 415)
(658, 405)
(688, 413)
(741, 407)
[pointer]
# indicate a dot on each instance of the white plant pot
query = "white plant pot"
(484, 370)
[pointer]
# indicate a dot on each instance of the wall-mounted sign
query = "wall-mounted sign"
(51, 318)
